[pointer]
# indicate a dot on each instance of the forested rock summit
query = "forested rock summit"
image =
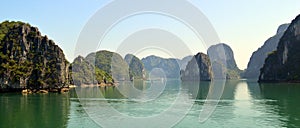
(30, 60)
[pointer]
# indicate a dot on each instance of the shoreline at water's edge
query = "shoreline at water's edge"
(32, 91)
(278, 81)
(97, 85)
(54, 90)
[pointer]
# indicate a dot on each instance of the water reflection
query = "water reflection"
(102, 105)
(254, 89)
(286, 102)
(243, 104)
(247, 104)
(78, 118)
(278, 103)
(36, 110)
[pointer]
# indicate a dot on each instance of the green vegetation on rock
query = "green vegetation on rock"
(82, 72)
(258, 57)
(30, 60)
(283, 64)
(198, 69)
(111, 63)
(222, 58)
(136, 67)
(170, 66)
(85, 73)
(103, 77)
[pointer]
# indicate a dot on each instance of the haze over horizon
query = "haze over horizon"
(243, 25)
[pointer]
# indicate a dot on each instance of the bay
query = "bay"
(242, 104)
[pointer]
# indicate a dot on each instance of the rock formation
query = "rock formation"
(222, 59)
(198, 69)
(282, 65)
(184, 61)
(84, 73)
(258, 57)
(169, 66)
(111, 63)
(136, 67)
(30, 60)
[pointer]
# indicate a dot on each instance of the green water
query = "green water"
(243, 104)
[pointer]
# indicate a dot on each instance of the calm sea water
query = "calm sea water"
(243, 104)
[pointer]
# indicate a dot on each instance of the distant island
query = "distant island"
(31, 61)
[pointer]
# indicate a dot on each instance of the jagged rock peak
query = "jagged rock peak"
(282, 28)
(282, 65)
(29, 59)
(198, 69)
(222, 53)
(258, 57)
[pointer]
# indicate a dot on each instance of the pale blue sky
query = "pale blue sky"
(244, 25)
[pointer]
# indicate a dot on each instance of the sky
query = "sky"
(243, 25)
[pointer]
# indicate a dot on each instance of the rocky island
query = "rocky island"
(198, 69)
(170, 66)
(282, 65)
(29, 60)
(258, 57)
(136, 67)
(222, 59)
(102, 68)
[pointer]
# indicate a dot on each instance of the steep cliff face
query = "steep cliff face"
(222, 58)
(257, 59)
(136, 67)
(28, 59)
(170, 66)
(111, 63)
(84, 73)
(282, 65)
(198, 69)
(184, 61)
